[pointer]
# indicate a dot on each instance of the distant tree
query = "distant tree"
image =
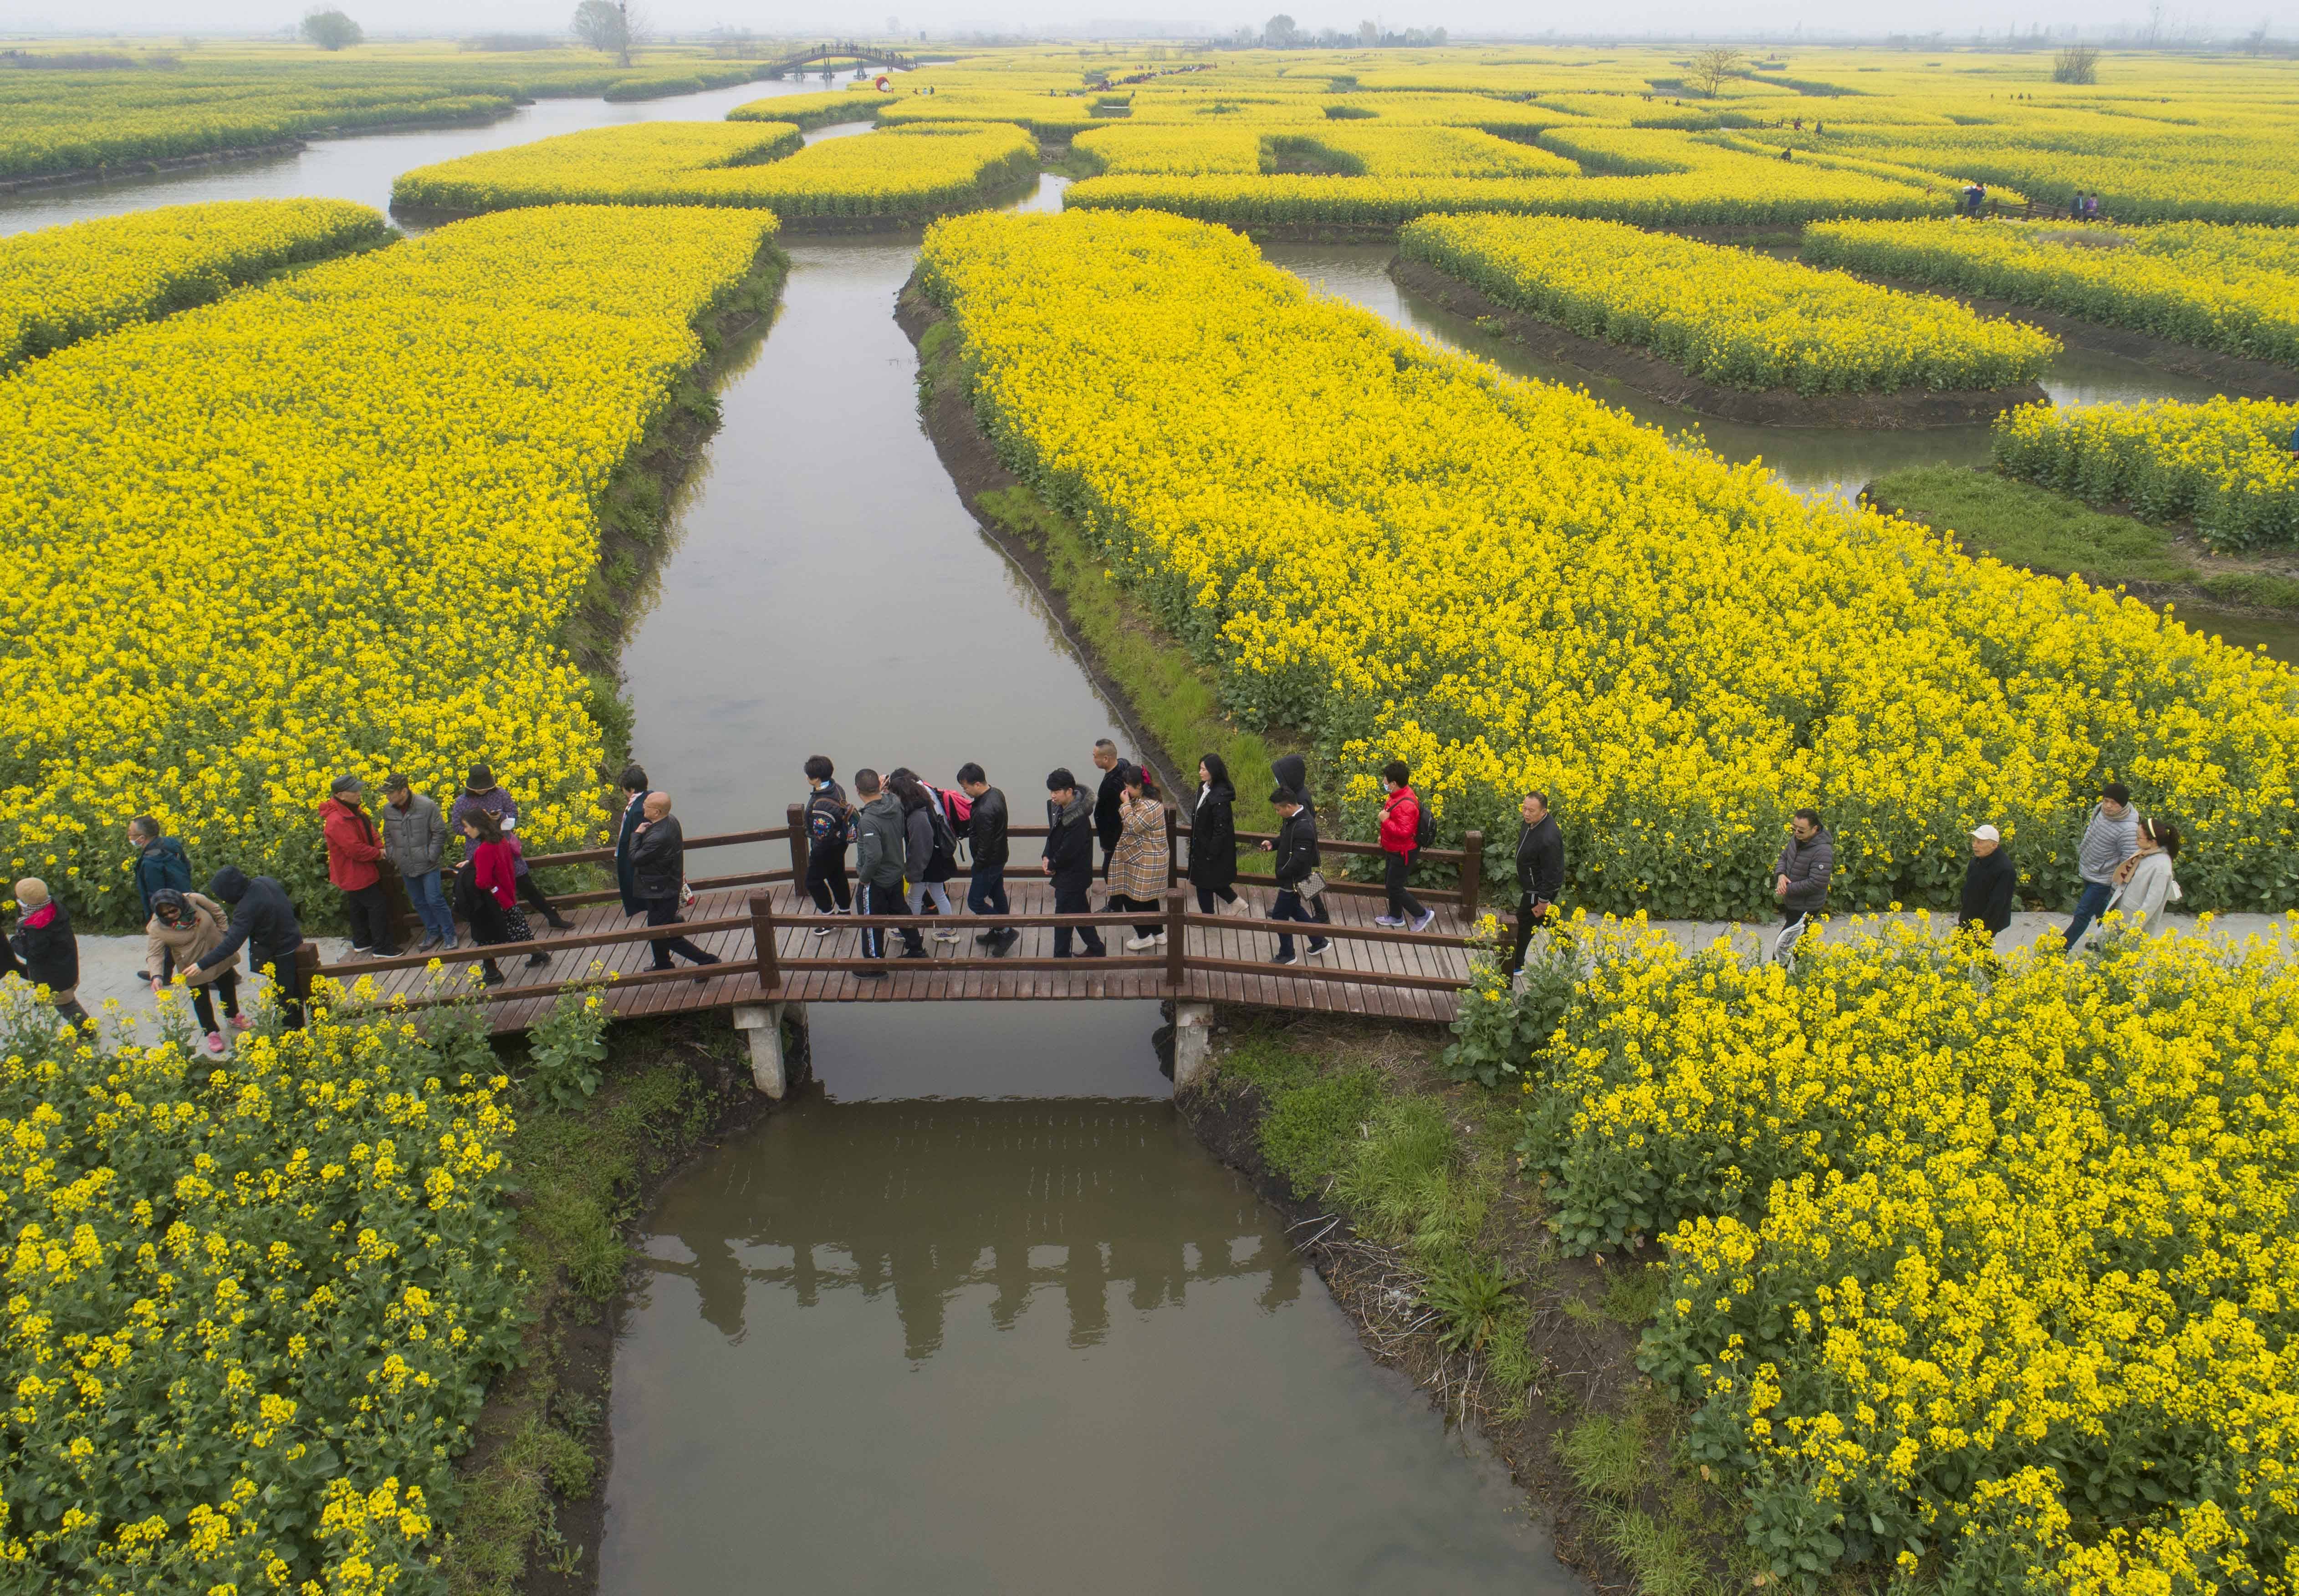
(1368, 33)
(331, 30)
(606, 28)
(1282, 33)
(1711, 66)
(2077, 63)
(2254, 43)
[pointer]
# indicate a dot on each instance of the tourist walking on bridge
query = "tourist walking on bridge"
(263, 919)
(47, 949)
(1292, 772)
(635, 787)
(881, 847)
(986, 838)
(659, 862)
(1107, 824)
(1213, 839)
(355, 866)
(1989, 882)
(1540, 871)
(480, 792)
(486, 891)
(1142, 866)
(829, 828)
(1401, 830)
(1800, 879)
(1069, 860)
(2111, 836)
(184, 928)
(1301, 886)
(415, 841)
(929, 846)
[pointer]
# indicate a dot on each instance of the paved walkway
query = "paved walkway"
(109, 965)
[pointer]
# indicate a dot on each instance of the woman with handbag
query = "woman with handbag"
(1301, 884)
(1142, 863)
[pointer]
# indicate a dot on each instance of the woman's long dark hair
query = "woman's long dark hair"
(489, 828)
(2166, 836)
(1219, 769)
(907, 788)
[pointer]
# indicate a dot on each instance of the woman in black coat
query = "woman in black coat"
(1213, 839)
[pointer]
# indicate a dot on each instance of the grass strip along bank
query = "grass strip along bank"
(252, 1303)
(342, 521)
(2228, 465)
(60, 285)
(1979, 1272)
(904, 173)
(1726, 315)
(2232, 289)
(1506, 584)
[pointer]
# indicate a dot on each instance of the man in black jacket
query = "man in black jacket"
(50, 953)
(1108, 823)
(1069, 859)
(1540, 871)
(659, 871)
(1989, 882)
(627, 836)
(1298, 859)
(985, 837)
(263, 918)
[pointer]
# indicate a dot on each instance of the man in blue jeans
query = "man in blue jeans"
(415, 841)
(2110, 837)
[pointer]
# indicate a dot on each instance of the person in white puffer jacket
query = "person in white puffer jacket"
(2144, 886)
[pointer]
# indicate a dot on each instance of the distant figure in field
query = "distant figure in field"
(1068, 860)
(1213, 839)
(415, 841)
(1990, 881)
(184, 928)
(46, 949)
(659, 863)
(2111, 836)
(1800, 879)
(263, 919)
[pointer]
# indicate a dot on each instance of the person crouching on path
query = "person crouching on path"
(184, 928)
(881, 848)
(1800, 880)
(1069, 860)
(45, 947)
(1400, 840)
(355, 864)
(986, 835)
(415, 841)
(1300, 889)
(1143, 860)
(1540, 871)
(487, 891)
(1990, 881)
(1213, 840)
(264, 919)
(658, 864)
(481, 792)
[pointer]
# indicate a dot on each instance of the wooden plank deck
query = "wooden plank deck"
(528, 991)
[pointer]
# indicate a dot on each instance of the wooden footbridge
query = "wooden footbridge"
(774, 950)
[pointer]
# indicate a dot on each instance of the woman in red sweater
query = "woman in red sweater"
(486, 891)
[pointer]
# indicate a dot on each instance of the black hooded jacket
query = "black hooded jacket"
(262, 917)
(1108, 823)
(1213, 837)
(1292, 773)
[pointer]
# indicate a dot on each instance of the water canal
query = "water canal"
(977, 1313)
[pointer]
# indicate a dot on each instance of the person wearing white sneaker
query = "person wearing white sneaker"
(1141, 865)
(1401, 834)
(1213, 840)
(930, 856)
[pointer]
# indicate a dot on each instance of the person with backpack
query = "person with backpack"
(1300, 888)
(635, 787)
(160, 862)
(829, 828)
(47, 950)
(263, 919)
(1406, 829)
(881, 848)
(184, 928)
(930, 846)
(1213, 840)
(1143, 863)
(1068, 862)
(986, 839)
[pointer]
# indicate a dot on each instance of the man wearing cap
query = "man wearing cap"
(481, 792)
(354, 855)
(1988, 883)
(2111, 836)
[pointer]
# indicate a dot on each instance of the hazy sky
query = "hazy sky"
(1958, 18)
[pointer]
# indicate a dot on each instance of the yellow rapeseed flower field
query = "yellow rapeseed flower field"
(2231, 466)
(333, 524)
(1981, 1270)
(59, 285)
(1728, 315)
(1508, 584)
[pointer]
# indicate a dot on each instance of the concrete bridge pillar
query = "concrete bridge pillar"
(764, 1023)
(1194, 1045)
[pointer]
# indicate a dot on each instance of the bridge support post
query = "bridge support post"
(764, 1022)
(1194, 1045)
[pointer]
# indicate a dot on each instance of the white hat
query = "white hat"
(1987, 833)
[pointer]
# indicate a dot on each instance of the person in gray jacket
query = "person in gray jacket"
(415, 842)
(2111, 836)
(881, 848)
(1800, 879)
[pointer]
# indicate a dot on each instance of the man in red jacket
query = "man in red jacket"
(1400, 840)
(355, 864)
